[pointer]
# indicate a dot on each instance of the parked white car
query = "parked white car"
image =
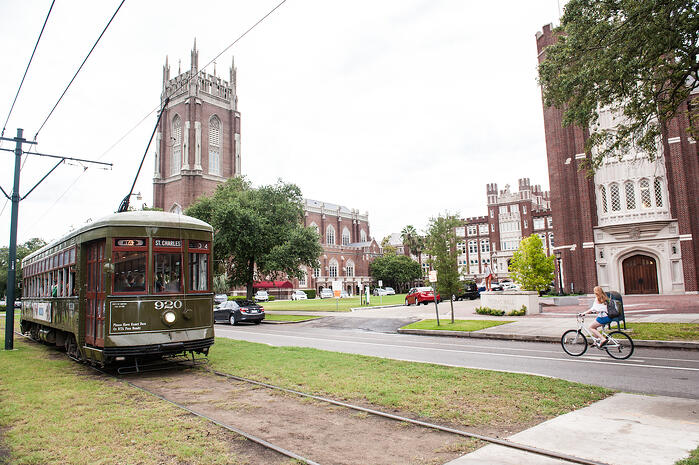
(261, 296)
(326, 293)
(510, 287)
(380, 291)
(220, 298)
(298, 295)
(389, 291)
(344, 294)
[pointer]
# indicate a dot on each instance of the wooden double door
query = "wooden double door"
(640, 275)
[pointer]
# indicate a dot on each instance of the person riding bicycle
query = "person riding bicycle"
(600, 306)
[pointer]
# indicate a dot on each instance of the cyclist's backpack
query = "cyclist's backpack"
(613, 308)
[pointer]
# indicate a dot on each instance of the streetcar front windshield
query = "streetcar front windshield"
(168, 273)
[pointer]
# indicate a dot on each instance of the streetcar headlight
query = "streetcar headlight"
(169, 317)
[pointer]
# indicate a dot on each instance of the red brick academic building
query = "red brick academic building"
(633, 226)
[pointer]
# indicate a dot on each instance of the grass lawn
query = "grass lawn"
(275, 317)
(459, 325)
(463, 396)
(54, 411)
(664, 331)
(332, 305)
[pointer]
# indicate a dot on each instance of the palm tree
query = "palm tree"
(414, 241)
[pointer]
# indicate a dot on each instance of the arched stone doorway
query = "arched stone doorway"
(640, 275)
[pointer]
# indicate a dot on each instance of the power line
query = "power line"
(25, 72)
(78, 71)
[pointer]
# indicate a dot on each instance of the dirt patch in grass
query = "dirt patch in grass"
(321, 432)
(4, 450)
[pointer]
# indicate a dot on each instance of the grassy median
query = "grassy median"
(445, 324)
(664, 331)
(333, 305)
(294, 318)
(460, 395)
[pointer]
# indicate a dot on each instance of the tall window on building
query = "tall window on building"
(330, 235)
(215, 145)
(345, 236)
(314, 226)
(551, 241)
(644, 187)
(332, 268)
(485, 245)
(483, 228)
(176, 161)
(303, 280)
(316, 272)
(362, 235)
(614, 197)
(471, 230)
(472, 247)
(461, 247)
(658, 188)
(630, 192)
(539, 223)
(603, 194)
(349, 268)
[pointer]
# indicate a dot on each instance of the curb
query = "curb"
(681, 345)
(375, 307)
(277, 322)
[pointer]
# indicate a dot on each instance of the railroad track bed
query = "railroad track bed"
(325, 434)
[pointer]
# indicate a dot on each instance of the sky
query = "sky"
(404, 109)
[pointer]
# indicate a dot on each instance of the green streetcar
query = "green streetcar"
(130, 287)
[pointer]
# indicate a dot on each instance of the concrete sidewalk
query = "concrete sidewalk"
(551, 329)
(620, 430)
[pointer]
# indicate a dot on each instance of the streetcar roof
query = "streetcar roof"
(134, 218)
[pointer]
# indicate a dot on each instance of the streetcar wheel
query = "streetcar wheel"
(619, 345)
(232, 320)
(574, 343)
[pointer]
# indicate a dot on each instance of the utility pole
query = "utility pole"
(16, 198)
(12, 269)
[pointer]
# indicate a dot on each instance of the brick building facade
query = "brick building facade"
(493, 238)
(632, 226)
(348, 247)
(198, 138)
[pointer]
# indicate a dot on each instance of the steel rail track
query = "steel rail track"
(498, 441)
(233, 429)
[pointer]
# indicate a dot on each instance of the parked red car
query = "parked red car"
(421, 295)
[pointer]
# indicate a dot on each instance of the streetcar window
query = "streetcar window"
(168, 273)
(198, 271)
(198, 277)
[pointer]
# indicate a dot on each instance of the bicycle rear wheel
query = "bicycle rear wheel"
(620, 345)
(574, 342)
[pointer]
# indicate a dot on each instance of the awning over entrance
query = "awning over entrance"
(273, 284)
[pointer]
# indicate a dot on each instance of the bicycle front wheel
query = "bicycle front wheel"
(574, 343)
(620, 345)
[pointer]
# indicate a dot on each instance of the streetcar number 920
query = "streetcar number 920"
(168, 304)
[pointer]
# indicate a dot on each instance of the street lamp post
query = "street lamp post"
(558, 254)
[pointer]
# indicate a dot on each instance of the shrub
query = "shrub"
(310, 293)
(489, 311)
(521, 312)
(2, 308)
(237, 297)
(271, 298)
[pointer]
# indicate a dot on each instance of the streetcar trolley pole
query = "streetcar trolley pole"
(15, 199)
(433, 280)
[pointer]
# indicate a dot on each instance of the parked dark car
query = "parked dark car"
(235, 311)
(468, 291)
(420, 295)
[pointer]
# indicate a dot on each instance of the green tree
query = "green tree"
(414, 241)
(637, 58)
(397, 271)
(530, 267)
(32, 245)
(440, 244)
(258, 232)
(388, 249)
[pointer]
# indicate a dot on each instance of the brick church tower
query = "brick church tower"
(198, 138)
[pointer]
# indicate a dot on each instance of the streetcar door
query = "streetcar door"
(94, 315)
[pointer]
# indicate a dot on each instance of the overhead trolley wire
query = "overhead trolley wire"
(26, 70)
(78, 71)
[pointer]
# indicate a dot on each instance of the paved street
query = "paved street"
(649, 371)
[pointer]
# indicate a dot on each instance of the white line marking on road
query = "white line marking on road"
(481, 353)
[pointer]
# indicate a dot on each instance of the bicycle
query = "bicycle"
(574, 341)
